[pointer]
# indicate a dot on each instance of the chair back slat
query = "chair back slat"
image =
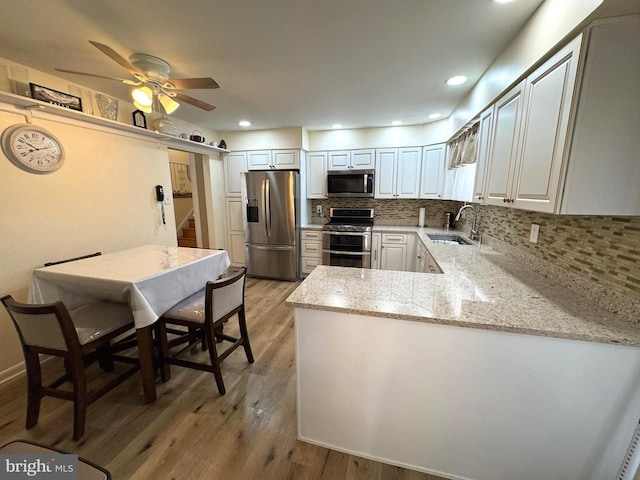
(41, 330)
(226, 294)
(42, 325)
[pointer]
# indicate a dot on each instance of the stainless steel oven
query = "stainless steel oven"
(346, 239)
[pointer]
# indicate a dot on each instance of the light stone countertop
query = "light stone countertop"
(480, 288)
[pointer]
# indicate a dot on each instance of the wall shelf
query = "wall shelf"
(32, 107)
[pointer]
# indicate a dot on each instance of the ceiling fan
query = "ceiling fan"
(152, 81)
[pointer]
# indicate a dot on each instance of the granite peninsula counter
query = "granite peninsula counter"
(480, 288)
(487, 370)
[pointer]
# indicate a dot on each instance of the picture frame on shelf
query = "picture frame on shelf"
(54, 97)
(139, 119)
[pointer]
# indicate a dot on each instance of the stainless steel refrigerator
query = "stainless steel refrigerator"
(271, 223)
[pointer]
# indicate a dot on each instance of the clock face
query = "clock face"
(32, 148)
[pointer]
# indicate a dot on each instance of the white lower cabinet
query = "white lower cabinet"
(310, 250)
(393, 251)
(235, 231)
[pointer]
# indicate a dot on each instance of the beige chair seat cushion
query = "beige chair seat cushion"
(190, 309)
(97, 319)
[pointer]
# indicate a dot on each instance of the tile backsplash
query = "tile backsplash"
(600, 249)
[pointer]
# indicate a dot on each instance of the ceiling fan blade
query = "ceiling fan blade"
(192, 101)
(123, 80)
(191, 83)
(115, 56)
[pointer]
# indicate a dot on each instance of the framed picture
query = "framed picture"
(49, 95)
(139, 120)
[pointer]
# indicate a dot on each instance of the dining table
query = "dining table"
(150, 279)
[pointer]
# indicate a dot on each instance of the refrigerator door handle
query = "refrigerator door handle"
(267, 206)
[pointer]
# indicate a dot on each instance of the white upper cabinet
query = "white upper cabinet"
(317, 175)
(565, 140)
(259, 160)
(363, 159)
(548, 94)
(485, 131)
(397, 173)
(603, 171)
(432, 177)
(273, 159)
(351, 159)
(234, 164)
(504, 147)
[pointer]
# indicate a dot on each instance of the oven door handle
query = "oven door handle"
(349, 234)
(339, 252)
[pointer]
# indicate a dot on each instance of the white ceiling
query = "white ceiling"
(280, 63)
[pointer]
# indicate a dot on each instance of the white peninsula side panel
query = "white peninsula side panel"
(465, 403)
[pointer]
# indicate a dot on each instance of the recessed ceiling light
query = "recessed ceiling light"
(336, 125)
(396, 122)
(244, 123)
(435, 115)
(457, 80)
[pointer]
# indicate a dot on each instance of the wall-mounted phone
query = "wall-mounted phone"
(160, 198)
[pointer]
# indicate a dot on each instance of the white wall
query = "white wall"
(548, 26)
(102, 199)
(282, 138)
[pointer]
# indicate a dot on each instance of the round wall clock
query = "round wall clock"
(32, 148)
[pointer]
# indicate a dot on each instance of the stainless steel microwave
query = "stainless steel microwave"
(350, 183)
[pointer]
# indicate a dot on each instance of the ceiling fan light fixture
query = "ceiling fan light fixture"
(144, 108)
(143, 96)
(168, 103)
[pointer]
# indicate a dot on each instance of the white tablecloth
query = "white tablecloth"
(151, 279)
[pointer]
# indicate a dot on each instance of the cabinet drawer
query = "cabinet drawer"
(309, 263)
(311, 248)
(394, 238)
(312, 235)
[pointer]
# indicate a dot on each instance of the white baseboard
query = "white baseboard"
(12, 372)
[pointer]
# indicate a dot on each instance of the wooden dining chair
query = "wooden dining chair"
(86, 470)
(79, 336)
(204, 313)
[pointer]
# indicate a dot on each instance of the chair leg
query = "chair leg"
(244, 334)
(79, 381)
(163, 347)
(213, 355)
(105, 358)
(34, 388)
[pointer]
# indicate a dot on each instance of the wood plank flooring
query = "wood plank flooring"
(191, 432)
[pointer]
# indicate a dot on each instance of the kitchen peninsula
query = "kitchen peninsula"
(487, 370)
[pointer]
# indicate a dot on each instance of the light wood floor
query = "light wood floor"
(191, 432)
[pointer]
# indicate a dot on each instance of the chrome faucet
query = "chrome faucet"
(474, 235)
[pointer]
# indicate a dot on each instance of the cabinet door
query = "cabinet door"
(235, 231)
(432, 176)
(363, 159)
(339, 160)
(393, 256)
(317, 175)
(485, 131)
(408, 172)
(375, 250)
(504, 147)
(259, 160)
(545, 121)
(386, 171)
(234, 164)
(286, 159)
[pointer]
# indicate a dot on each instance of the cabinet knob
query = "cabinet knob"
(505, 200)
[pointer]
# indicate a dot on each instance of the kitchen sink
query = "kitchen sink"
(450, 239)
